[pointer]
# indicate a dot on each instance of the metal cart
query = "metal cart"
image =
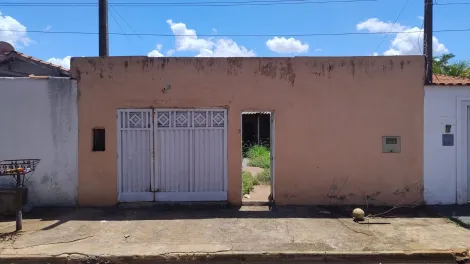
(18, 169)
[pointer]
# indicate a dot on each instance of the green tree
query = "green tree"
(445, 66)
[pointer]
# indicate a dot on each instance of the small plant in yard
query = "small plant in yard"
(247, 182)
(259, 157)
(264, 177)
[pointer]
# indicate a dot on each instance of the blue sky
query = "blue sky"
(276, 20)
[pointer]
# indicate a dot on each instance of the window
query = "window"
(99, 139)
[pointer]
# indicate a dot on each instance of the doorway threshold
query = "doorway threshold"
(175, 205)
(257, 203)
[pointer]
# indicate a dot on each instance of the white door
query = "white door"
(135, 162)
(190, 155)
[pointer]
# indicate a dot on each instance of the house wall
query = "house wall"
(441, 179)
(331, 114)
(39, 121)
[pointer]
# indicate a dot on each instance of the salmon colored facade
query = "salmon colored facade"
(330, 117)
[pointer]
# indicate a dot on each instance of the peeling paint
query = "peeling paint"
(92, 63)
(210, 62)
(269, 70)
(287, 72)
(353, 68)
(78, 74)
(165, 61)
(199, 65)
(234, 66)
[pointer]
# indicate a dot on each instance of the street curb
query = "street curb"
(449, 256)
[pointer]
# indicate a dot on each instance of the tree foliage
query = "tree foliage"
(445, 65)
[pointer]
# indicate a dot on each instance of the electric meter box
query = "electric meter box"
(391, 144)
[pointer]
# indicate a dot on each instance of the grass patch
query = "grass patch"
(259, 157)
(264, 177)
(247, 182)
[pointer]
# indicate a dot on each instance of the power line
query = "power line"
(182, 4)
(230, 35)
(452, 3)
(195, 4)
(394, 23)
(125, 21)
(119, 25)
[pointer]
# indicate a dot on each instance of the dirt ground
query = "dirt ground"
(260, 193)
(162, 230)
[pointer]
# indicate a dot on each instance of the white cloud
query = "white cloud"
(48, 28)
(64, 62)
(156, 52)
(187, 40)
(408, 42)
(375, 25)
(420, 17)
(284, 45)
(13, 32)
(226, 48)
(375, 54)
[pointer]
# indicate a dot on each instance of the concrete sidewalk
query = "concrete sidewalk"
(249, 234)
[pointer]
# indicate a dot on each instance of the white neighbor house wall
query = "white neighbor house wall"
(445, 172)
(38, 119)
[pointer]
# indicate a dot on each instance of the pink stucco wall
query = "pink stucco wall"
(331, 114)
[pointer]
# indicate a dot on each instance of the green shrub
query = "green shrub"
(259, 157)
(264, 177)
(247, 182)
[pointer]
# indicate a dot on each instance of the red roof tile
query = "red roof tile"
(438, 79)
(38, 60)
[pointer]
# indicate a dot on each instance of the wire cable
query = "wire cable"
(230, 35)
(195, 4)
(182, 4)
(119, 25)
(394, 23)
(125, 21)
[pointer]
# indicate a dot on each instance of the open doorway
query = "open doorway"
(257, 146)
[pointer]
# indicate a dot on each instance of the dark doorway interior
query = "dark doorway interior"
(256, 129)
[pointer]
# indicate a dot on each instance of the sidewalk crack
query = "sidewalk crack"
(55, 243)
(292, 238)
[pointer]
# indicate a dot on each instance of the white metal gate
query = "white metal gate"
(135, 161)
(179, 155)
(190, 155)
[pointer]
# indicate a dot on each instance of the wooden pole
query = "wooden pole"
(19, 205)
(103, 28)
(428, 6)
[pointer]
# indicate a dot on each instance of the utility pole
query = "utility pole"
(428, 40)
(103, 28)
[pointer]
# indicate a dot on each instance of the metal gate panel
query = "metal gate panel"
(191, 155)
(208, 160)
(135, 161)
(173, 153)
